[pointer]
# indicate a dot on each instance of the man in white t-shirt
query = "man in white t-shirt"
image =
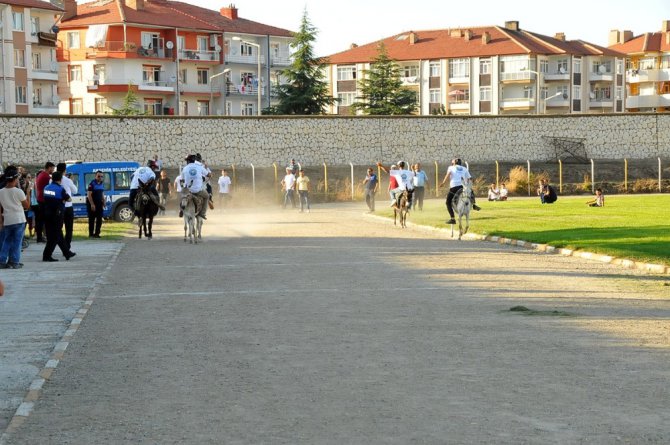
(142, 176)
(194, 175)
(224, 188)
(288, 185)
(405, 179)
(68, 215)
(457, 175)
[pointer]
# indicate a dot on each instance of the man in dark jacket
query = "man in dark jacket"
(54, 198)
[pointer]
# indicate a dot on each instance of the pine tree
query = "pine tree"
(130, 104)
(306, 91)
(381, 89)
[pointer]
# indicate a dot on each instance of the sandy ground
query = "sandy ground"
(336, 327)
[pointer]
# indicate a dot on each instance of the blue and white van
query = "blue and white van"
(117, 177)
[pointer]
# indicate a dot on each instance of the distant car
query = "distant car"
(117, 177)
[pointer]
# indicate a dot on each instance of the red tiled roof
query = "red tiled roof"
(33, 4)
(167, 13)
(647, 42)
(439, 44)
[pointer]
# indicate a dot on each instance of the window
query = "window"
(600, 67)
(562, 66)
(435, 69)
(77, 107)
(665, 62)
(517, 64)
(34, 25)
(151, 75)
(181, 43)
(246, 50)
(183, 77)
(73, 40)
(17, 21)
(203, 108)
(485, 66)
(346, 99)
(619, 66)
(19, 58)
(459, 68)
(75, 73)
(274, 49)
(544, 66)
(562, 90)
(100, 105)
(153, 107)
(37, 97)
(435, 96)
(485, 93)
(99, 74)
(544, 93)
(37, 61)
(346, 73)
(577, 92)
(528, 92)
(150, 40)
(577, 64)
(203, 44)
(106, 181)
(203, 76)
(248, 109)
(183, 108)
(21, 95)
(122, 180)
(619, 93)
(648, 63)
(409, 71)
(460, 96)
(602, 94)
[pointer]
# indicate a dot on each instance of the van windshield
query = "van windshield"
(122, 180)
(88, 177)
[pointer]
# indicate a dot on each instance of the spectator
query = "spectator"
(95, 202)
(30, 213)
(503, 192)
(68, 214)
(288, 185)
(420, 184)
(13, 202)
(224, 188)
(41, 182)
(598, 200)
(547, 193)
(371, 184)
(54, 208)
(164, 188)
(158, 162)
(494, 193)
(294, 166)
(302, 184)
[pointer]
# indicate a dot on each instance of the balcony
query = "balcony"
(112, 50)
(650, 101)
(158, 86)
(251, 60)
(46, 107)
(595, 76)
(280, 60)
(638, 76)
(517, 76)
(413, 80)
(44, 72)
(517, 103)
(459, 105)
(459, 80)
(562, 74)
(200, 56)
(242, 90)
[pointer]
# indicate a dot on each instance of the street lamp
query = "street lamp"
(258, 60)
(211, 91)
(560, 93)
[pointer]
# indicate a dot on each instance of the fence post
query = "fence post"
(325, 180)
(437, 181)
(593, 177)
(660, 186)
(277, 191)
(352, 180)
(625, 175)
(253, 180)
(560, 176)
(528, 163)
(497, 175)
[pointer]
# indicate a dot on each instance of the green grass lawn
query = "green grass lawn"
(111, 230)
(629, 226)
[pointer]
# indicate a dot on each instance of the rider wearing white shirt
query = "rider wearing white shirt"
(194, 181)
(457, 175)
(405, 180)
(142, 176)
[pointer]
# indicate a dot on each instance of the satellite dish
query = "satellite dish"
(169, 45)
(602, 69)
(561, 70)
(592, 95)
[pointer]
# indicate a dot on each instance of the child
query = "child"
(503, 192)
(598, 201)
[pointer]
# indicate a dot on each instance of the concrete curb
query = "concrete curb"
(35, 389)
(659, 269)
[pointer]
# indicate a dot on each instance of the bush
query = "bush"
(645, 186)
(518, 180)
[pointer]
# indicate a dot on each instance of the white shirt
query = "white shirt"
(70, 188)
(405, 179)
(224, 184)
(289, 181)
(177, 184)
(193, 175)
(458, 173)
(494, 194)
(10, 200)
(144, 174)
(503, 192)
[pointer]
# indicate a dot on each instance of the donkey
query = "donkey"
(462, 205)
(146, 209)
(401, 208)
(192, 219)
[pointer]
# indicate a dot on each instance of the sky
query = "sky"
(343, 22)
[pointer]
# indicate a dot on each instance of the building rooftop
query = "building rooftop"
(647, 42)
(32, 4)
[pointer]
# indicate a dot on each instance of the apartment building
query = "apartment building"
(178, 58)
(29, 70)
(491, 70)
(648, 68)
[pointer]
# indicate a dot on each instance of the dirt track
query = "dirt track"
(333, 327)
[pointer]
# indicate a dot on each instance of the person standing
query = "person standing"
(302, 184)
(95, 202)
(420, 184)
(371, 185)
(224, 188)
(457, 174)
(158, 162)
(164, 188)
(41, 182)
(13, 202)
(54, 208)
(288, 184)
(68, 215)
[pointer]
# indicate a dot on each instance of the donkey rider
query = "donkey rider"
(458, 175)
(194, 175)
(141, 177)
(405, 180)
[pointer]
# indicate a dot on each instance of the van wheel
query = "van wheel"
(123, 213)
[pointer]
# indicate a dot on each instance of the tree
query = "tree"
(130, 104)
(381, 89)
(306, 91)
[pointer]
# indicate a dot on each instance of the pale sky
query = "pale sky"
(342, 22)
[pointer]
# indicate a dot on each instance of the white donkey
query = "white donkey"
(192, 220)
(462, 205)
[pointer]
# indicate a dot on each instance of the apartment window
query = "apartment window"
(577, 64)
(600, 94)
(100, 105)
(246, 50)
(181, 43)
(75, 73)
(665, 62)
(648, 63)
(151, 74)
(459, 68)
(561, 66)
(183, 77)
(17, 21)
(203, 44)
(544, 66)
(346, 99)
(516, 64)
(619, 66)
(183, 108)
(346, 73)
(600, 67)
(19, 58)
(37, 97)
(544, 93)
(274, 49)
(485, 93)
(562, 90)
(21, 95)
(229, 109)
(99, 74)
(248, 109)
(528, 92)
(203, 76)
(37, 61)
(76, 106)
(619, 93)
(435, 95)
(435, 69)
(151, 40)
(409, 71)
(73, 39)
(485, 66)
(34, 25)
(577, 92)
(153, 107)
(203, 108)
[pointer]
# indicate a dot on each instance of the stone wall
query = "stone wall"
(331, 139)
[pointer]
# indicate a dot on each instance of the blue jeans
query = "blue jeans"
(12, 236)
(304, 199)
(289, 196)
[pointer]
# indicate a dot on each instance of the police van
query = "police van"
(116, 180)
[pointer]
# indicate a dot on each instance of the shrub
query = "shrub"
(518, 180)
(645, 186)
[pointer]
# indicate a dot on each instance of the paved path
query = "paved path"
(332, 327)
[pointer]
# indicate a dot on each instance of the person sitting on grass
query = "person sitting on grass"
(494, 193)
(503, 192)
(598, 200)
